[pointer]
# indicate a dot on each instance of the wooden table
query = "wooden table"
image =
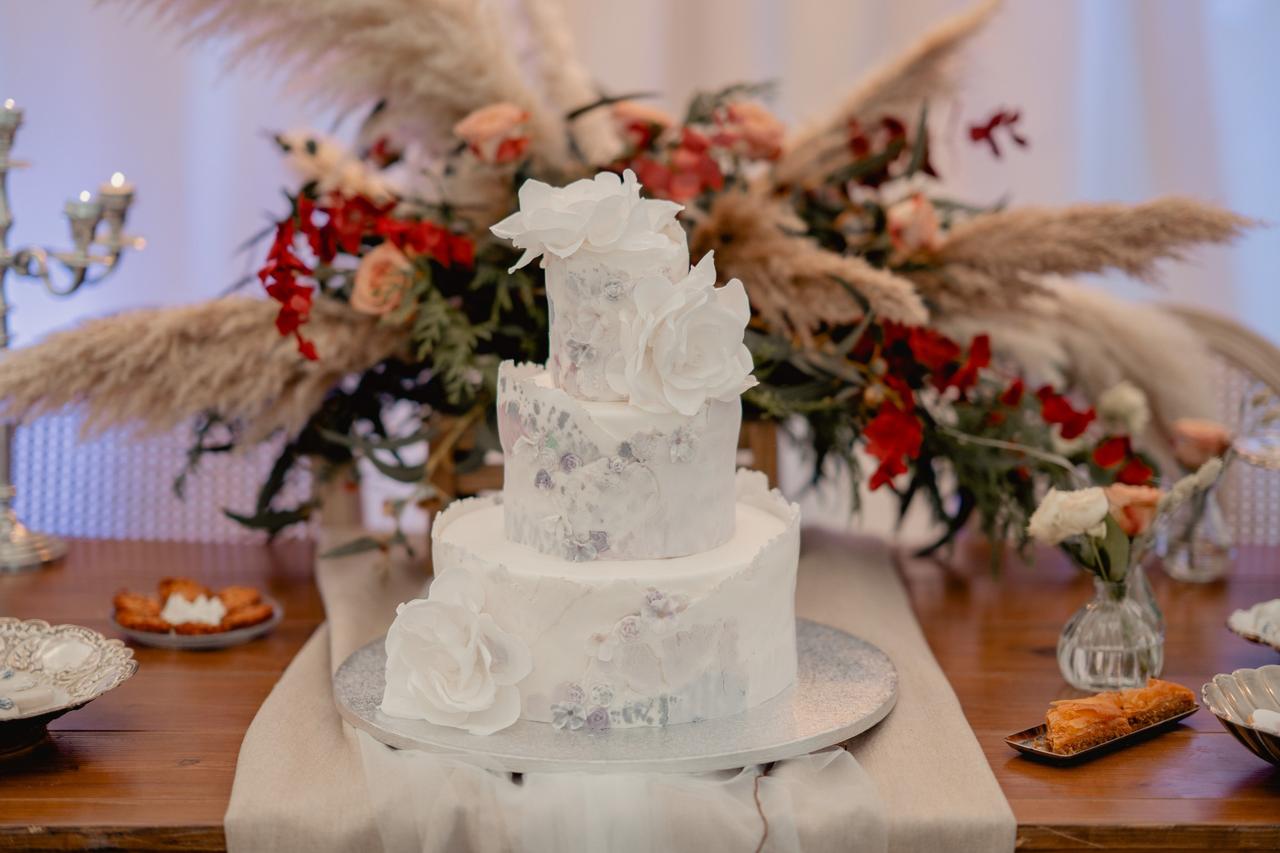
(149, 765)
(1193, 788)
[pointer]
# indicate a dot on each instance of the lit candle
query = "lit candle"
(10, 115)
(117, 186)
(83, 207)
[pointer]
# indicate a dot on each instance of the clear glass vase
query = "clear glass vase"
(1196, 546)
(1116, 640)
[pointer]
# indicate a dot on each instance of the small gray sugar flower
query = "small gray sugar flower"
(598, 720)
(602, 694)
(570, 462)
(599, 540)
(543, 479)
(567, 716)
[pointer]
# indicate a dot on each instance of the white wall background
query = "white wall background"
(1122, 100)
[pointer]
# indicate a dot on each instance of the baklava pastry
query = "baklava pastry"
(1076, 724)
(1159, 700)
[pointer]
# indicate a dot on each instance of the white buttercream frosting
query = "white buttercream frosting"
(450, 664)
(1260, 620)
(681, 342)
(203, 610)
(608, 481)
(600, 214)
(644, 642)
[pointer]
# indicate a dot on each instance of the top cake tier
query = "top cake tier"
(597, 239)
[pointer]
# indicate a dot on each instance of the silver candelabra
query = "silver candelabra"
(92, 259)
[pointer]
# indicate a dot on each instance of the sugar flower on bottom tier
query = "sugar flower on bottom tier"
(450, 664)
(681, 343)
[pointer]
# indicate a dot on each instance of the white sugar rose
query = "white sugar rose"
(601, 214)
(1124, 405)
(450, 664)
(1062, 515)
(681, 344)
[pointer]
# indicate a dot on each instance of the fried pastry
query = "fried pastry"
(136, 621)
(243, 617)
(1076, 724)
(196, 628)
(1159, 700)
(145, 605)
(235, 597)
(185, 587)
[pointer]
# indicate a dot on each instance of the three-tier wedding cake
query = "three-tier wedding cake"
(627, 576)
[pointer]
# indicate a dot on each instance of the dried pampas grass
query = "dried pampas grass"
(794, 284)
(923, 72)
(158, 368)
(1088, 238)
(1083, 338)
(429, 62)
(568, 83)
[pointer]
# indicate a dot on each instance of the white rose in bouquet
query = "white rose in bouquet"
(1062, 515)
(601, 214)
(681, 343)
(1124, 405)
(450, 664)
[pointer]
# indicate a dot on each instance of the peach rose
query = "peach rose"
(752, 130)
(495, 133)
(640, 123)
(913, 226)
(1196, 441)
(1133, 507)
(381, 280)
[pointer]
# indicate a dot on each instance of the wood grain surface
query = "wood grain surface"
(150, 765)
(1192, 788)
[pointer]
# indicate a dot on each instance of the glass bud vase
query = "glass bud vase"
(1197, 546)
(1114, 641)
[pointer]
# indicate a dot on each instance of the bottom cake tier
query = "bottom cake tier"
(639, 642)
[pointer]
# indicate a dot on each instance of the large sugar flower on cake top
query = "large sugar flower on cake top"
(681, 343)
(600, 214)
(450, 664)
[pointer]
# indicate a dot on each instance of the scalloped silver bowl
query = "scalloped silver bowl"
(1232, 698)
(76, 663)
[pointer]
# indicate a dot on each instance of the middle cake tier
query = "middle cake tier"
(589, 480)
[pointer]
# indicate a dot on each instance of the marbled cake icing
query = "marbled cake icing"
(646, 642)
(626, 576)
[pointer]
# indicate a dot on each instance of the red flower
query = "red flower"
(691, 169)
(1112, 452)
(279, 276)
(931, 349)
(1135, 473)
(893, 436)
(979, 357)
(1055, 409)
(1012, 395)
(986, 132)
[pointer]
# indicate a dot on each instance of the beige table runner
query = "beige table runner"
(306, 781)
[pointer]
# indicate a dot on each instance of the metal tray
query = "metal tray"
(1032, 741)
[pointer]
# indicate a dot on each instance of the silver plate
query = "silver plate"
(844, 686)
(206, 642)
(77, 662)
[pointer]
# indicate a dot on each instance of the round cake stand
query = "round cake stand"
(844, 686)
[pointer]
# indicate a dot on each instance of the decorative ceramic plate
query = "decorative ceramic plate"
(47, 670)
(844, 686)
(1232, 698)
(1033, 741)
(220, 640)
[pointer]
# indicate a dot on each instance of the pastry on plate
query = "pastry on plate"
(1076, 724)
(186, 606)
(1159, 700)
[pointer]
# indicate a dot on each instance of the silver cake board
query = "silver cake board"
(844, 686)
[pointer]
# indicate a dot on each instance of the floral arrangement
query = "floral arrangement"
(883, 314)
